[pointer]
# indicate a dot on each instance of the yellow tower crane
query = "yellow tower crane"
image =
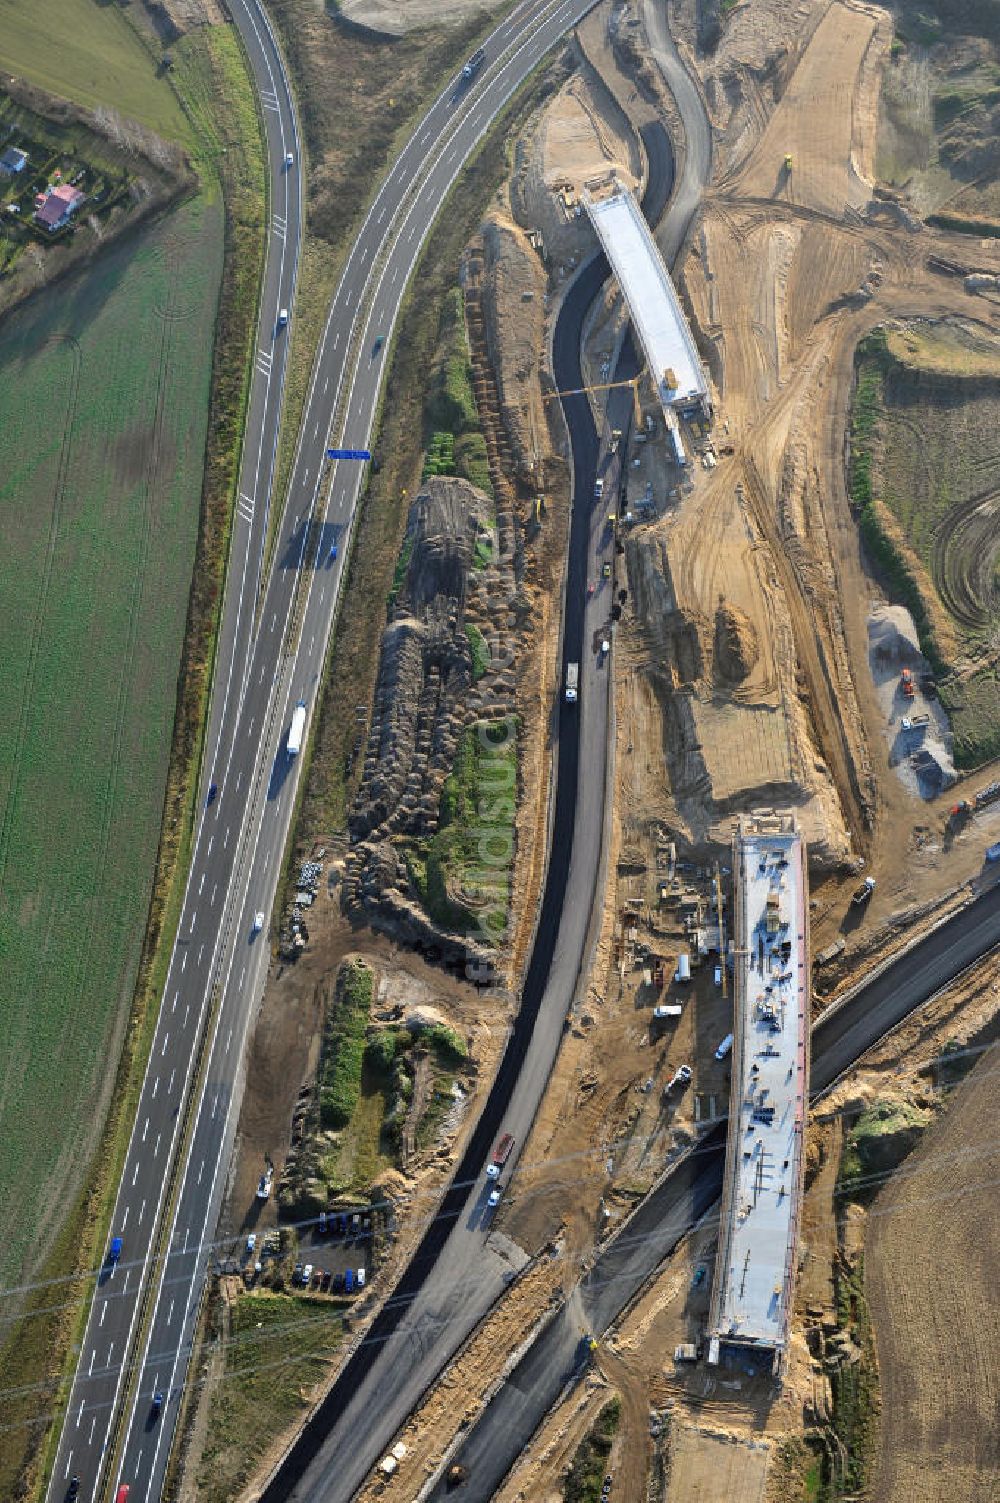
(580, 391)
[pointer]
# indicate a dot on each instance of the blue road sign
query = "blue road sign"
(348, 454)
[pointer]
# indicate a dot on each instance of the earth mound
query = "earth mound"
(736, 645)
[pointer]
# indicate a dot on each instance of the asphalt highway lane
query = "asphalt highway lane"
(219, 965)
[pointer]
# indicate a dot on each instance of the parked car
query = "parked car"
(322, 1223)
(297, 1274)
(349, 1281)
(361, 1278)
(307, 1274)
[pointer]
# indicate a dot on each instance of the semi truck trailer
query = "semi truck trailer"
(297, 730)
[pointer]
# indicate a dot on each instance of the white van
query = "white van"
(724, 1047)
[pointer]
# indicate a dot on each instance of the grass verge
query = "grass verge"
(344, 1045)
(275, 1348)
(590, 1462)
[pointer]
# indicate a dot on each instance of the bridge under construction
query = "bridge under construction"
(762, 1191)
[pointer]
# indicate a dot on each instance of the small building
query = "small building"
(13, 161)
(57, 207)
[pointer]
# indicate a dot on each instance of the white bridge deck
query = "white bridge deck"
(652, 301)
(755, 1265)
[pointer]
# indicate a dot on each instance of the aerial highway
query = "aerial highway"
(273, 645)
(100, 1378)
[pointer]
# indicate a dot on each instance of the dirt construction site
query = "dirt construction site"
(743, 679)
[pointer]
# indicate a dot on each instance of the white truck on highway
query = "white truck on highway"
(297, 730)
(572, 682)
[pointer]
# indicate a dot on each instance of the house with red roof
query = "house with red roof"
(55, 208)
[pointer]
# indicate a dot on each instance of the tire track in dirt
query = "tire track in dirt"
(825, 717)
(965, 550)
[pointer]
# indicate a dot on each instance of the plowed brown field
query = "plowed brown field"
(932, 1268)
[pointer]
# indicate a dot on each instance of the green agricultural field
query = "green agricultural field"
(88, 52)
(104, 391)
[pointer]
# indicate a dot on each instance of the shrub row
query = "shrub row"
(344, 1044)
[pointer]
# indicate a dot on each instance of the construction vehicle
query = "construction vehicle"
(965, 808)
(906, 683)
(914, 722)
(455, 1475)
(572, 682)
(788, 161)
(616, 438)
(861, 894)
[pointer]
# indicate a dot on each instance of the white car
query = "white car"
(258, 923)
(289, 158)
(307, 1274)
(361, 1278)
(282, 318)
(251, 1242)
(494, 1199)
(680, 1077)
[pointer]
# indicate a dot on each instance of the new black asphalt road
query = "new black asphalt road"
(557, 1358)
(138, 1335)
